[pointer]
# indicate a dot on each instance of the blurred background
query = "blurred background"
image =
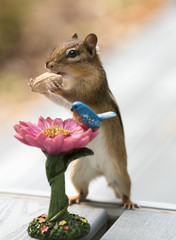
(137, 45)
(29, 30)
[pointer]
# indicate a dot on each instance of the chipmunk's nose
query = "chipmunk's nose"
(49, 65)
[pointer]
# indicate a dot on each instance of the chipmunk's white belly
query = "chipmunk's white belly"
(100, 160)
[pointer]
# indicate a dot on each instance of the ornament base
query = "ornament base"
(74, 228)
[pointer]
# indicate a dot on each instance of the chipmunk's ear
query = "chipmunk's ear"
(90, 41)
(74, 36)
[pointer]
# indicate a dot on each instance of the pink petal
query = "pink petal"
(20, 130)
(85, 133)
(77, 130)
(75, 143)
(51, 145)
(25, 130)
(21, 139)
(54, 145)
(22, 123)
(58, 122)
(50, 121)
(17, 127)
(83, 142)
(70, 124)
(33, 127)
(68, 145)
(77, 140)
(42, 123)
(32, 141)
(41, 138)
(58, 142)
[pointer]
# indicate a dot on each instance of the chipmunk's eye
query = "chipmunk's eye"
(72, 54)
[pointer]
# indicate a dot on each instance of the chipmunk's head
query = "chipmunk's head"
(74, 57)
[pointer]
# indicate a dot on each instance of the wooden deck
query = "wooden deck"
(108, 221)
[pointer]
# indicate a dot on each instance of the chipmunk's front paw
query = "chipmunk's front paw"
(46, 82)
(53, 85)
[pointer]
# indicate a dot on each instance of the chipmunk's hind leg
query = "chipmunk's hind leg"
(81, 175)
(122, 186)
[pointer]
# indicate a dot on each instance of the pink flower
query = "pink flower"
(66, 227)
(54, 136)
(44, 228)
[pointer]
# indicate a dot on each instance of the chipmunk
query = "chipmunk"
(84, 79)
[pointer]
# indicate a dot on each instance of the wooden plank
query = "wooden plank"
(158, 206)
(115, 210)
(137, 225)
(18, 211)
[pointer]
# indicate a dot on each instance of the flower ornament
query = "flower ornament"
(62, 142)
(54, 136)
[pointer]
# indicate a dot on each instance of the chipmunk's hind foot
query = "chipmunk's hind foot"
(128, 204)
(76, 199)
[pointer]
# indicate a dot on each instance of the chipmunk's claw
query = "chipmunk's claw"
(128, 204)
(77, 199)
(31, 82)
(53, 86)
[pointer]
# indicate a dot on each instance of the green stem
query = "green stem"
(56, 166)
(58, 200)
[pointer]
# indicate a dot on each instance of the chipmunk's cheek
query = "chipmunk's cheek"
(67, 82)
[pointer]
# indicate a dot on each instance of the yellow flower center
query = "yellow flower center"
(54, 131)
